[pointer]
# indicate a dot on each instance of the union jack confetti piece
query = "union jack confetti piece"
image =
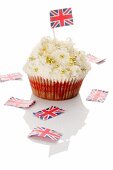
(97, 95)
(45, 134)
(13, 76)
(94, 59)
(61, 17)
(49, 113)
(20, 102)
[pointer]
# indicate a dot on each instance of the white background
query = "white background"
(87, 127)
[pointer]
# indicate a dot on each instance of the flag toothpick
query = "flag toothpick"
(54, 33)
(60, 18)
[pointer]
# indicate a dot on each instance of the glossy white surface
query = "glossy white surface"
(87, 127)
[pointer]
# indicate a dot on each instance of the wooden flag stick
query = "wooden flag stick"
(54, 33)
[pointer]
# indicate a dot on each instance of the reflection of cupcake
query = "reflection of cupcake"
(56, 69)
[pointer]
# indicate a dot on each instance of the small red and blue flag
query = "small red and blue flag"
(45, 134)
(49, 113)
(61, 17)
(21, 103)
(97, 95)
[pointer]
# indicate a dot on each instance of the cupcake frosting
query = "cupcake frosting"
(57, 60)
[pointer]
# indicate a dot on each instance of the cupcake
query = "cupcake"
(56, 69)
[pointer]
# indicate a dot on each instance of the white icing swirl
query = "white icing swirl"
(57, 60)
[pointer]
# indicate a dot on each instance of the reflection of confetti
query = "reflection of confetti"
(46, 134)
(48, 113)
(97, 95)
(13, 76)
(19, 102)
(94, 59)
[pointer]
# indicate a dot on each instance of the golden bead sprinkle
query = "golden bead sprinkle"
(56, 66)
(61, 56)
(63, 71)
(32, 58)
(72, 60)
(50, 60)
(36, 69)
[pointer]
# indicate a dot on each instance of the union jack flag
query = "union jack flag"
(19, 102)
(13, 76)
(61, 17)
(94, 59)
(97, 95)
(48, 113)
(45, 133)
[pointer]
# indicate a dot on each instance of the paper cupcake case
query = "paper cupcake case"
(52, 90)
